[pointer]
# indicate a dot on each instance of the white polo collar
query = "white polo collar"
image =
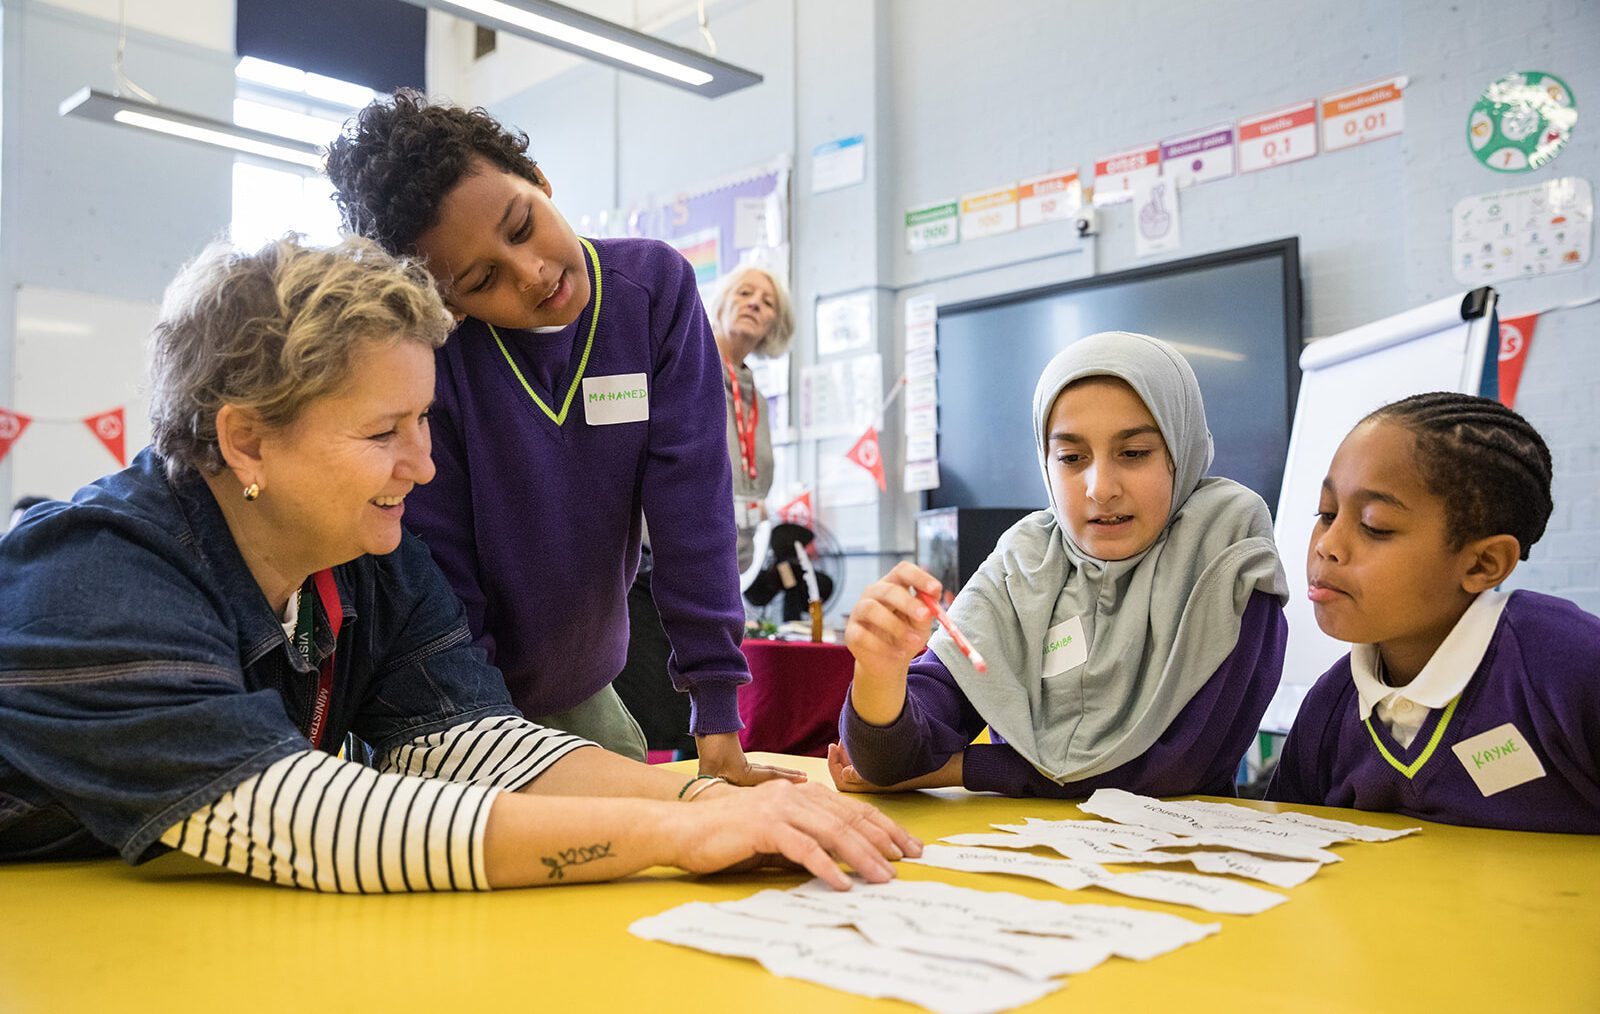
(1447, 672)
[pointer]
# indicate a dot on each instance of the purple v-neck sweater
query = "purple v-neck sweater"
(1541, 673)
(537, 525)
(1197, 754)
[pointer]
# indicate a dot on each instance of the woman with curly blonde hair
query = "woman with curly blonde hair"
(186, 643)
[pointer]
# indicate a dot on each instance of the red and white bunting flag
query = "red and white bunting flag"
(797, 511)
(1516, 334)
(109, 427)
(866, 454)
(11, 426)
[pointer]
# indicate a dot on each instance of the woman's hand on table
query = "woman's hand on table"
(847, 779)
(783, 823)
(887, 629)
(723, 756)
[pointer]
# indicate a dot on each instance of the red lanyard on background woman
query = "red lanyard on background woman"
(745, 432)
(328, 592)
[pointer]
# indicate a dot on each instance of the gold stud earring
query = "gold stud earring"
(252, 491)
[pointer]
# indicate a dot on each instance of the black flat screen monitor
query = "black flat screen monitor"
(1235, 315)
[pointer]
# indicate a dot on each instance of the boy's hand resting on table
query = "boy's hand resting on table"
(721, 755)
(848, 779)
(786, 823)
(888, 628)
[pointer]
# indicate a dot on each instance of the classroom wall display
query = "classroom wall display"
(1116, 176)
(1157, 229)
(1278, 138)
(932, 225)
(988, 213)
(841, 398)
(1051, 197)
(1350, 117)
(1368, 112)
(1199, 157)
(703, 250)
(79, 378)
(839, 163)
(1521, 121)
(922, 393)
(1524, 231)
(844, 323)
(736, 220)
(1451, 344)
(742, 218)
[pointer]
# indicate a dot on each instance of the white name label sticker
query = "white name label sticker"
(1499, 759)
(1064, 647)
(624, 398)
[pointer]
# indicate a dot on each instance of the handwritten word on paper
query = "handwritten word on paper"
(845, 960)
(1128, 933)
(1277, 872)
(1286, 834)
(1213, 894)
(950, 949)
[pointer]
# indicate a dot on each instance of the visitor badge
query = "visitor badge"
(1499, 759)
(623, 398)
(1064, 647)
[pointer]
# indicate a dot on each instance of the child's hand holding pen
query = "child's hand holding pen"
(888, 627)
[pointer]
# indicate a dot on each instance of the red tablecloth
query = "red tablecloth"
(792, 702)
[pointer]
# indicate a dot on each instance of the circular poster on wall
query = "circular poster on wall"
(1521, 121)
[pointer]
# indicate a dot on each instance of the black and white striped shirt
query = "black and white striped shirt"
(413, 824)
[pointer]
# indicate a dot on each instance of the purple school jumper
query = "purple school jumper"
(1197, 754)
(1540, 673)
(536, 522)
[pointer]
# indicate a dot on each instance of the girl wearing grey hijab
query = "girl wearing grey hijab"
(1134, 631)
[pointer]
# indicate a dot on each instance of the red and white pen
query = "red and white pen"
(932, 602)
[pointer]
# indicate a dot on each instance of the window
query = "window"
(268, 201)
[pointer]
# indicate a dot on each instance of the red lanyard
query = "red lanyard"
(745, 432)
(328, 592)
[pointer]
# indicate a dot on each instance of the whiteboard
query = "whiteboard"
(77, 355)
(1441, 346)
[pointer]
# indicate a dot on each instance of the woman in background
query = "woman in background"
(751, 314)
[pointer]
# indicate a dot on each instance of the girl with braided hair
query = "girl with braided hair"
(1458, 702)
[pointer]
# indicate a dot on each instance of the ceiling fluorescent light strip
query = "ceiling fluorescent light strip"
(541, 25)
(97, 105)
(206, 135)
(577, 32)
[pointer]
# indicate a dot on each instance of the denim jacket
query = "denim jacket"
(143, 673)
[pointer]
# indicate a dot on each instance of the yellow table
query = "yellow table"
(1453, 919)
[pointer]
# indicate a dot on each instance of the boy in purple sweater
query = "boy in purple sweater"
(1134, 632)
(1458, 703)
(580, 394)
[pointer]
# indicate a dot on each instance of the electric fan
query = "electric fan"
(787, 558)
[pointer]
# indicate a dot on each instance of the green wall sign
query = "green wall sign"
(1521, 121)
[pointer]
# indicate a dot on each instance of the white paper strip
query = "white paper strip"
(1210, 893)
(1319, 831)
(1277, 872)
(1037, 957)
(1201, 827)
(845, 960)
(1356, 832)
(935, 907)
(1119, 835)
